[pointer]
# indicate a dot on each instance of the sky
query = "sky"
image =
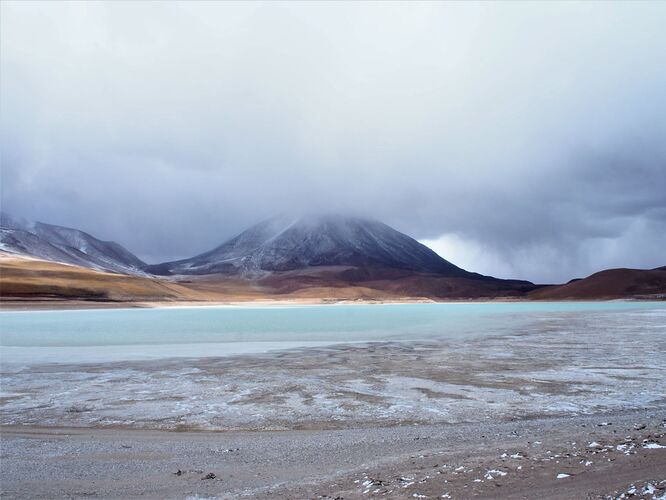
(521, 140)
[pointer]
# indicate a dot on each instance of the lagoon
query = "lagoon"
(28, 337)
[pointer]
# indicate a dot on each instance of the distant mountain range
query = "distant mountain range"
(316, 256)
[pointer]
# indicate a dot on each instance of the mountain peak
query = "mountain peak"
(289, 242)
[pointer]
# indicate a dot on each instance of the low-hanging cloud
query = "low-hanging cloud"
(521, 140)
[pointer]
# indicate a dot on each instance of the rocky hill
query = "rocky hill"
(65, 245)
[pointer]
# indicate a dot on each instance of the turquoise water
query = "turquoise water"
(167, 368)
(297, 324)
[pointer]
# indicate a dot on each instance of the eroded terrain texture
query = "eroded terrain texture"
(561, 365)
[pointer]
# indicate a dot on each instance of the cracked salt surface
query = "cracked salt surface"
(557, 364)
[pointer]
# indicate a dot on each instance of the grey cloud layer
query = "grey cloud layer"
(532, 131)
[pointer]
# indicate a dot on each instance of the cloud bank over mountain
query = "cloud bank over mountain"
(527, 136)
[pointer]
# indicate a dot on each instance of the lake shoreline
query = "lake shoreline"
(63, 305)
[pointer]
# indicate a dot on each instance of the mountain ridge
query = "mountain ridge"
(65, 245)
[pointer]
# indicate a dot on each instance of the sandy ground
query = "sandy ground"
(602, 456)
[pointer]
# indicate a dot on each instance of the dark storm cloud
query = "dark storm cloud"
(521, 140)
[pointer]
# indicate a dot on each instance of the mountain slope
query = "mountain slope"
(32, 280)
(66, 245)
(290, 243)
(609, 284)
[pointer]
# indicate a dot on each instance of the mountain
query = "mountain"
(609, 284)
(65, 245)
(291, 243)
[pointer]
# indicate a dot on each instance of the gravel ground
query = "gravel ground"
(602, 456)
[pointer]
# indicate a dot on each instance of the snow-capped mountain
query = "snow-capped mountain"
(66, 245)
(287, 243)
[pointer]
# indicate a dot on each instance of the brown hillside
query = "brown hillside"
(27, 278)
(609, 284)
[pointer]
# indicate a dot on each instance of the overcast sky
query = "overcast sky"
(523, 140)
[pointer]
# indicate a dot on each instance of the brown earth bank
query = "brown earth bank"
(34, 283)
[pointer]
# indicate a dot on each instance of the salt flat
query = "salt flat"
(552, 364)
